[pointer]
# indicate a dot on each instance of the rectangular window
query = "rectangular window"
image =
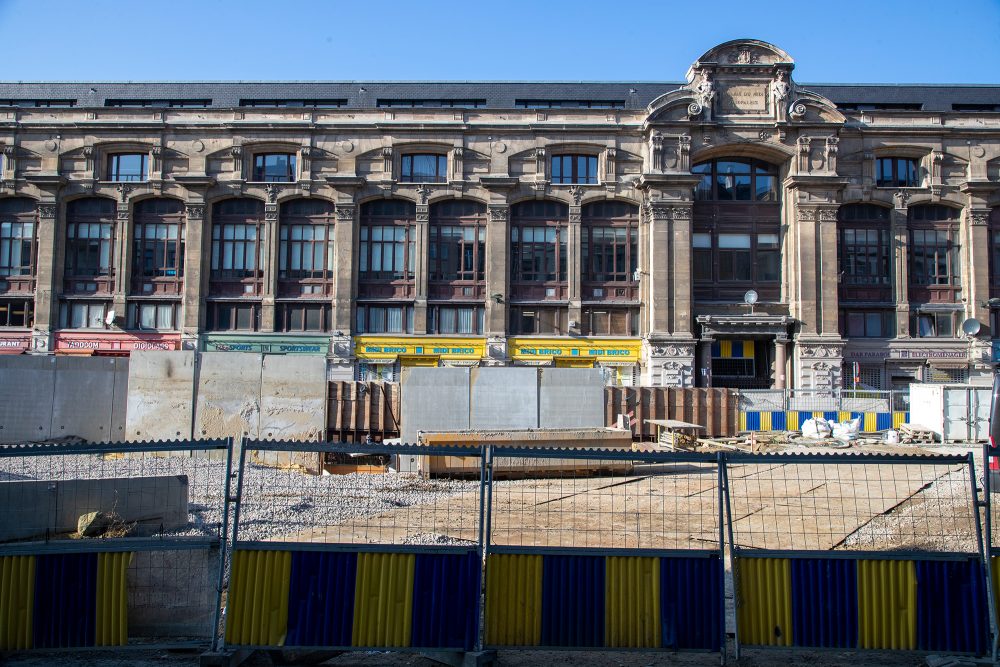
(579, 169)
(457, 252)
(896, 172)
(538, 254)
(233, 316)
(701, 243)
(868, 323)
(610, 322)
(306, 252)
(17, 248)
(768, 258)
(539, 320)
(159, 315)
(610, 254)
(934, 257)
(235, 251)
(734, 257)
(456, 320)
(423, 168)
(386, 252)
(303, 317)
(17, 313)
(274, 168)
(83, 314)
(88, 249)
(127, 167)
(864, 256)
(158, 250)
(375, 319)
(933, 325)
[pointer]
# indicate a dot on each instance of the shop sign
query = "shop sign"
(14, 343)
(380, 347)
(913, 353)
(116, 342)
(593, 349)
(267, 345)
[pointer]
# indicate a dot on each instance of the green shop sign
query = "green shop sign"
(267, 344)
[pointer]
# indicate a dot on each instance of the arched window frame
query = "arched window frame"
(238, 243)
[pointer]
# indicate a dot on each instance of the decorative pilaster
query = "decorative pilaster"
(574, 249)
(197, 264)
(976, 248)
(497, 274)
(669, 364)
(421, 267)
(900, 257)
(269, 258)
(345, 244)
(48, 276)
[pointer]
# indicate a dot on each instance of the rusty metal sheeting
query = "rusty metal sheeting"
(715, 409)
(356, 410)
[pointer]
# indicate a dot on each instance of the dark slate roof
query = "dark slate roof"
(496, 94)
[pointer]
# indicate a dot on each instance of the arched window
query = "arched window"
(610, 264)
(158, 246)
(457, 267)
(865, 253)
(736, 179)
(306, 251)
(538, 267)
(386, 266)
(90, 241)
(934, 259)
(237, 236)
(18, 238)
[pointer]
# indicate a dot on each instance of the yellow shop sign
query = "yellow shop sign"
(574, 351)
(422, 347)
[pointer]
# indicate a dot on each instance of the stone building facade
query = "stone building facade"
(733, 229)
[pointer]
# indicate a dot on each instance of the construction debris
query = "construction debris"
(910, 434)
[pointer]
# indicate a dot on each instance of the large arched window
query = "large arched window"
(305, 265)
(736, 238)
(237, 247)
(457, 267)
(865, 260)
(609, 273)
(90, 242)
(934, 258)
(386, 267)
(18, 253)
(538, 267)
(158, 247)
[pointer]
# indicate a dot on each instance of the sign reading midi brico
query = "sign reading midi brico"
(424, 347)
(592, 349)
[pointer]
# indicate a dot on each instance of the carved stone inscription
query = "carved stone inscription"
(737, 99)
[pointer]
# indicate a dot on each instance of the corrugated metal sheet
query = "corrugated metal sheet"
(715, 409)
(632, 602)
(446, 601)
(112, 599)
(887, 604)
(764, 601)
(383, 600)
(514, 600)
(573, 601)
(691, 603)
(321, 598)
(951, 603)
(258, 598)
(65, 600)
(17, 592)
(995, 575)
(824, 602)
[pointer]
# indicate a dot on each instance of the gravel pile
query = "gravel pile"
(277, 502)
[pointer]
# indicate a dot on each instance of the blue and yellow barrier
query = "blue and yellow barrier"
(354, 599)
(792, 420)
(63, 600)
(733, 349)
(926, 605)
(614, 601)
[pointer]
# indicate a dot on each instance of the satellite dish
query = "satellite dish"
(750, 298)
(109, 319)
(971, 326)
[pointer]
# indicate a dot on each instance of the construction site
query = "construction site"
(515, 514)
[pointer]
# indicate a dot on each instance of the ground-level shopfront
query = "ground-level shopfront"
(119, 344)
(618, 358)
(895, 364)
(384, 357)
(266, 344)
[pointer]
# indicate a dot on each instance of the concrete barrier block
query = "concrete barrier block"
(228, 403)
(570, 397)
(160, 396)
(26, 395)
(504, 398)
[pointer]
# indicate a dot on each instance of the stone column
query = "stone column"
(705, 361)
(48, 275)
(680, 266)
(341, 357)
(421, 268)
(780, 362)
(197, 264)
(497, 281)
(659, 274)
(827, 272)
(900, 267)
(574, 250)
(976, 260)
(269, 263)
(122, 257)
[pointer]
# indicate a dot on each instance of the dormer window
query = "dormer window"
(274, 168)
(423, 168)
(574, 169)
(127, 166)
(897, 172)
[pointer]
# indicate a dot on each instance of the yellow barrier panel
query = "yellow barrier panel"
(843, 416)
(632, 602)
(764, 601)
(887, 604)
(17, 601)
(995, 574)
(898, 419)
(514, 600)
(258, 598)
(112, 599)
(870, 423)
(383, 600)
(765, 421)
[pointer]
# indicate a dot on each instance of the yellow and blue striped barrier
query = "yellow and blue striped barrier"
(354, 599)
(604, 601)
(63, 600)
(733, 349)
(792, 420)
(925, 605)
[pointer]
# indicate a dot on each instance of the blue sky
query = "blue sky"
(832, 41)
